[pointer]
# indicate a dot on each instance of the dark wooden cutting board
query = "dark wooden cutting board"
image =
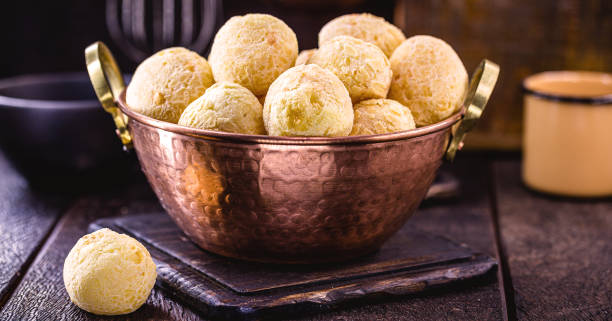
(411, 261)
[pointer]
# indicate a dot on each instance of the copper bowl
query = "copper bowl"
(281, 199)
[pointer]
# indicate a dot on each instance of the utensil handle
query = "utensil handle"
(480, 89)
(108, 84)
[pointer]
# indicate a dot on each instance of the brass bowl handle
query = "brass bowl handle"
(480, 89)
(108, 84)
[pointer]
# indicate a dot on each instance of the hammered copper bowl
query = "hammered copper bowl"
(286, 199)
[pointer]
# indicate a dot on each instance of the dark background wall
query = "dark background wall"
(50, 36)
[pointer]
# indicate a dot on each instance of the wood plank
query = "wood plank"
(559, 251)
(25, 221)
(467, 221)
(41, 294)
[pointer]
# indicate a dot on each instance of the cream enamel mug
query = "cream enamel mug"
(567, 142)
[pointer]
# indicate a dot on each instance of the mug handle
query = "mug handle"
(108, 84)
(480, 89)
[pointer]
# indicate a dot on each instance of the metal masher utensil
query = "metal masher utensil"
(141, 27)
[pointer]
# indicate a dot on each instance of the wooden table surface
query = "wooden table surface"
(555, 254)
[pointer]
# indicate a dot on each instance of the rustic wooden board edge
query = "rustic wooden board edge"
(315, 300)
(185, 283)
(449, 252)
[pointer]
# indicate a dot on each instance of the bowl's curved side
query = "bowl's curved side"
(288, 203)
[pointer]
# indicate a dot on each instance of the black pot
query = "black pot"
(53, 125)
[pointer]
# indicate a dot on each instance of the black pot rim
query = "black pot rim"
(30, 79)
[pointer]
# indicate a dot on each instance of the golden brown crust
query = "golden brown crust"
(429, 78)
(225, 107)
(366, 27)
(165, 83)
(304, 56)
(381, 116)
(253, 50)
(308, 100)
(108, 273)
(361, 66)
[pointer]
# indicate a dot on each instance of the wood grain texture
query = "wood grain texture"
(524, 37)
(25, 221)
(41, 294)
(559, 251)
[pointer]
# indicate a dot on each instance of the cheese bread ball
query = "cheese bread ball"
(253, 50)
(362, 67)
(366, 27)
(380, 116)
(165, 83)
(226, 107)
(304, 56)
(429, 78)
(108, 273)
(308, 100)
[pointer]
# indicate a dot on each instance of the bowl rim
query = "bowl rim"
(45, 78)
(286, 140)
